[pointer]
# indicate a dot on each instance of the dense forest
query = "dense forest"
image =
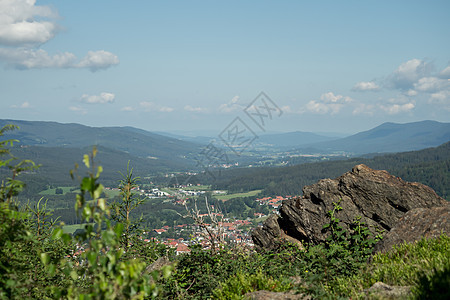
(429, 166)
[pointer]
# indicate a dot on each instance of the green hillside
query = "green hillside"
(391, 137)
(134, 141)
(429, 166)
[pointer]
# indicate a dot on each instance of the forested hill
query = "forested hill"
(130, 140)
(56, 162)
(391, 137)
(430, 166)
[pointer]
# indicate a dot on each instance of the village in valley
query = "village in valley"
(233, 229)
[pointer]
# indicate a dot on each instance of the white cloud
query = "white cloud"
(408, 73)
(103, 98)
(287, 109)
(98, 60)
(329, 103)
(22, 23)
(431, 84)
(195, 109)
(25, 58)
(366, 86)
(127, 108)
(441, 98)
(445, 73)
(231, 106)
(24, 105)
(24, 27)
(411, 93)
(166, 109)
(78, 109)
(393, 109)
(332, 98)
(151, 106)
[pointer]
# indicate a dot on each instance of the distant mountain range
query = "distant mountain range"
(58, 146)
(136, 142)
(391, 137)
(175, 152)
(388, 137)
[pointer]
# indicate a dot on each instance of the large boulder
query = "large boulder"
(416, 224)
(380, 199)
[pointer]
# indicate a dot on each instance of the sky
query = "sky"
(198, 66)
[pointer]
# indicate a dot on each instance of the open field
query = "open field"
(238, 195)
(111, 193)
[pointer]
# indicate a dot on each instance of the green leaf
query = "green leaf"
(99, 171)
(118, 229)
(45, 258)
(74, 275)
(97, 192)
(87, 212)
(86, 161)
(87, 183)
(92, 257)
(51, 269)
(57, 233)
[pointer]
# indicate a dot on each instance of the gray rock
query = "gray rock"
(415, 224)
(379, 198)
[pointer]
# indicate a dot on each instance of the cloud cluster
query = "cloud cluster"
(103, 98)
(396, 108)
(98, 60)
(25, 26)
(366, 86)
(413, 79)
(18, 24)
(408, 73)
(231, 106)
(328, 103)
(421, 81)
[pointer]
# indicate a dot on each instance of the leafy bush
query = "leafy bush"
(237, 286)
(423, 265)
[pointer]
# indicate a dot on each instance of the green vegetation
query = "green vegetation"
(424, 265)
(109, 259)
(429, 166)
(53, 191)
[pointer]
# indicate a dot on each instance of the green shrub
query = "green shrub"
(423, 265)
(237, 286)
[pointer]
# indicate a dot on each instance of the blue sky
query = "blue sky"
(329, 66)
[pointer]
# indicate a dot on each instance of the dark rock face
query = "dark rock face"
(415, 224)
(379, 198)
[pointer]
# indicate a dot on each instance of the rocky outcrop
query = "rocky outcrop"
(415, 224)
(379, 198)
